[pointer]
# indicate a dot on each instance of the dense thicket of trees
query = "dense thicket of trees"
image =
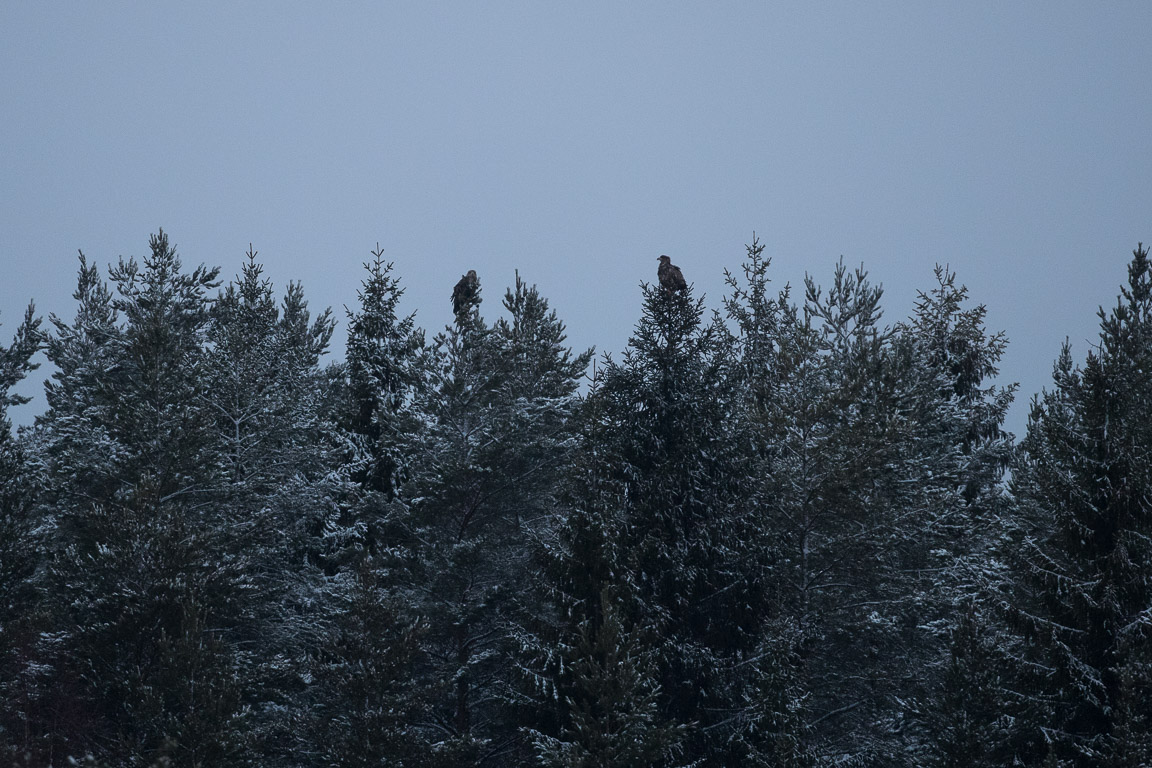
(779, 533)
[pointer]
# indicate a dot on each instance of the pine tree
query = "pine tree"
(829, 478)
(149, 592)
(818, 388)
(261, 381)
(264, 389)
(877, 456)
(78, 455)
(1083, 597)
(81, 393)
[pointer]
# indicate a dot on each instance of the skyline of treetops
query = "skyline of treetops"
(777, 531)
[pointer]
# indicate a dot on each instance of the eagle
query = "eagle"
(465, 293)
(671, 278)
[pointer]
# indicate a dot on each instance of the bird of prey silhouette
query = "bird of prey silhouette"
(465, 293)
(671, 278)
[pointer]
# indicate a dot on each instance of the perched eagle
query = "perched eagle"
(464, 294)
(671, 278)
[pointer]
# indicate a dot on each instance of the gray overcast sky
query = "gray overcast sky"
(576, 143)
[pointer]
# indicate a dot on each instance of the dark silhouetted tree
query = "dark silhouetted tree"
(1083, 598)
(21, 617)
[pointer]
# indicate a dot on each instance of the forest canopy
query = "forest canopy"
(773, 532)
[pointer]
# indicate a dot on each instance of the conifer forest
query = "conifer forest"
(776, 530)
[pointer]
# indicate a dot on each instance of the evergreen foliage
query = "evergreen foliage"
(497, 407)
(358, 697)
(878, 455)
(681, 563)
(787, 535)
(141, 571)
(1082, 600)
(382, 372)
(20, 616)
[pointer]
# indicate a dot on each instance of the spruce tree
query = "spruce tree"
(588, 671)
(611, 701)
(382, 372)
(948, 359)
(148, 589)
(1083, 588)
(362, 645)
(497, 406)
(363, 697)
(969, 717)
(685, 561)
